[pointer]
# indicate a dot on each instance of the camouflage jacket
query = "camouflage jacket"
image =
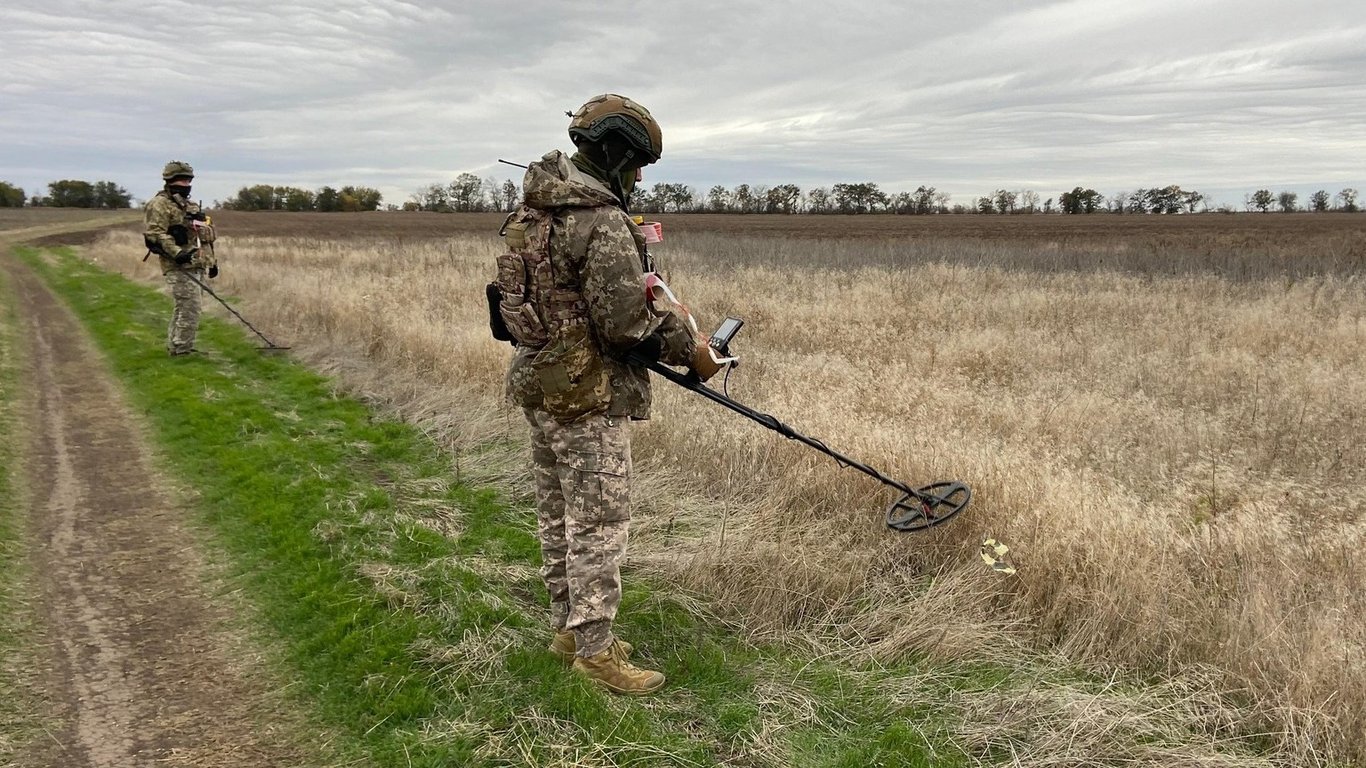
(596, 249)
(162, 218)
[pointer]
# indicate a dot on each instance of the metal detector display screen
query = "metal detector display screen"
(731, 326)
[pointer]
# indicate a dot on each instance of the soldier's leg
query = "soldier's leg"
(595, 464)
(549, 516)
(185, 316)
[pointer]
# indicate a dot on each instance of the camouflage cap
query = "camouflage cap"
(177, 169)
(611, 113)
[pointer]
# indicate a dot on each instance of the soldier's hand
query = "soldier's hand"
(213, 271)
(704, 362)
(186, 255)
(649, 349)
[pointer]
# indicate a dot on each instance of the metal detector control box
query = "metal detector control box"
(722, 336)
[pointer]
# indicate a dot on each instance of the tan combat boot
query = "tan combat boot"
(611, 670)
(563, 645)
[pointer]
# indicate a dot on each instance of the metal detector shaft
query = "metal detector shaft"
(238, 315)
(916, 509)
(690, 382)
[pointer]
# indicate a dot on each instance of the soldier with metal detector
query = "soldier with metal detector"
(571, 296)
(182, 237)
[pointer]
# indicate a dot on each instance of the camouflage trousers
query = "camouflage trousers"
(185, 317)
(583, 511)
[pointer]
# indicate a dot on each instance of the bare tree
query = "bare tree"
(1081, 200)
(1005, 201)
(465, 193)
(433, 197)
(743, 199)
(783, 198)
(818, 200)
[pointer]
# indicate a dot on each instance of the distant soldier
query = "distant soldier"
(179, 233)
(571, 295)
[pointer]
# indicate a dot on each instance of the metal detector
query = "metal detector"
(270, 345)
(915, 510)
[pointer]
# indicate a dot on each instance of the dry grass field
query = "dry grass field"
(1161, 417)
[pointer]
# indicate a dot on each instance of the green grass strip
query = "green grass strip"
(409, 605)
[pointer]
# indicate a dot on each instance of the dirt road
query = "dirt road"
(144, 666)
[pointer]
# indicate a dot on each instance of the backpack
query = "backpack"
(532, 308)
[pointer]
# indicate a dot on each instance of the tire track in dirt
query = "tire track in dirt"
(144, 669)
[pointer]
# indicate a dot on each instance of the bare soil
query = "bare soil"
(13, 221)
(145, 665)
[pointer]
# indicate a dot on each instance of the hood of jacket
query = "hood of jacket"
(555, 182)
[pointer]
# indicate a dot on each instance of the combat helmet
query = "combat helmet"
(613, 115)
(177, 169)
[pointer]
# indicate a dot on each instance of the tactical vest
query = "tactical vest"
(535, 309)
(193, 224)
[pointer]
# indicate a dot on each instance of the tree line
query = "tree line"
(469, 193)
(1173, 199)
(867, 197)
(326, 199)
(68, 193)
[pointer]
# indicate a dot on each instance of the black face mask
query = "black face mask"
(179, 190)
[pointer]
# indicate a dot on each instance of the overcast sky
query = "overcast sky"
(1221, 96)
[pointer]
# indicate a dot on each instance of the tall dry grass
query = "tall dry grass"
(1174, 459)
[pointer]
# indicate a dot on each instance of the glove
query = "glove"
(213, 271)
(649, 349)
(703, 364)
(497, 325)
(186, 256)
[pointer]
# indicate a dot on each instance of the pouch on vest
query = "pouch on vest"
(525, 276)
(573, 379)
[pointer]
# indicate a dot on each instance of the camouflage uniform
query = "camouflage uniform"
(581, 451)
(168, 221)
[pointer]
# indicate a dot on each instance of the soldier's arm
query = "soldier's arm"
(158, 221)
(614, 288)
